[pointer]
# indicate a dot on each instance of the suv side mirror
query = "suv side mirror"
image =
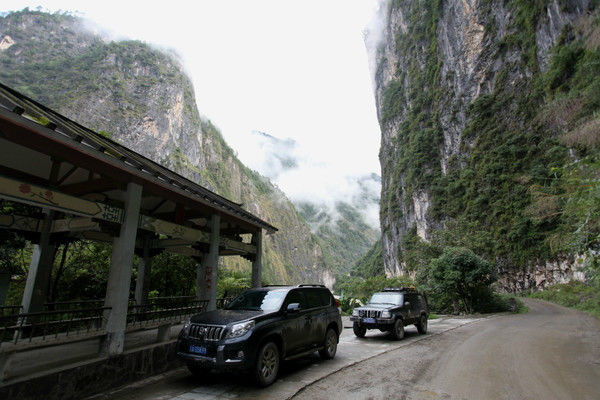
(406, 304)
(293, 308)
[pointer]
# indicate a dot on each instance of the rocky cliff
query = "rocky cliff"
(141, 97)
(466, 94)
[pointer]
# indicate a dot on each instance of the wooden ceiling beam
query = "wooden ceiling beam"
(24, 176)
(98, 185)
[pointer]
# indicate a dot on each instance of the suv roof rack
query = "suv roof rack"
(400, 289)
(277, 285)
(311, 285)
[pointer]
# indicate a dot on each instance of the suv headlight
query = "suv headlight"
(355, 313)
(386, 314)
(238, 330)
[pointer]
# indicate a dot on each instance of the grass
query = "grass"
(433, 316)
(574, 294)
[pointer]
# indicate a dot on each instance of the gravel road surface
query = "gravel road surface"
(551, 352)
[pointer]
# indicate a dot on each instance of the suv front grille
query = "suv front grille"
(369, 313)
(206, 332)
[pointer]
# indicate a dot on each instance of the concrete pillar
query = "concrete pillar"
(142, 282)
(40, 268)
(4, 284)
(257, 240)
(200, 273)
(119, 278)
(210, 263)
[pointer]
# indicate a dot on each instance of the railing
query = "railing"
(222, 302)
(44, 325)
(73, 304)
(69, 318)
(167, 311)
(9, 310)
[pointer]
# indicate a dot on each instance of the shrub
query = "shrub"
(462, 278)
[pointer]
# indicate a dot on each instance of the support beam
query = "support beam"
(142, 282)
(257, 240)
(4, 284)
(200, 287)
(42, 259)
(119, 278)
(210, 264)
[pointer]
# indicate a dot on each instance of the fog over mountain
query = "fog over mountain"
(306, 180)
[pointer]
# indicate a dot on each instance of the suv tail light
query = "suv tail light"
(337, 303)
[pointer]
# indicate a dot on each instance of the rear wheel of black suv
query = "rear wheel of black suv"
(267, 364)
(359, 330)
(330, 345)
(398, 330)
(422, 325)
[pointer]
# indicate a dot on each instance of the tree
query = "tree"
(461, 276)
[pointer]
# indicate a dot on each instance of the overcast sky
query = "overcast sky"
(293, 69)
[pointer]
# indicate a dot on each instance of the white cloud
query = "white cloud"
(293, 69)
(307, 179)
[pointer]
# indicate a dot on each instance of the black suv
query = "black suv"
(390, 311)
(260, 328)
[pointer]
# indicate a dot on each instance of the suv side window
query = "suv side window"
(419, 301)
(411, 298)
(325, 297)
(295, 296)
(312, 298)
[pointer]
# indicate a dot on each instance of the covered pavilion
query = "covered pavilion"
(86, 186)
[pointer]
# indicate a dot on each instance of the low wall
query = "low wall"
(88, 378)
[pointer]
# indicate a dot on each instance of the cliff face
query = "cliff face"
(459, 87)
(141, 98)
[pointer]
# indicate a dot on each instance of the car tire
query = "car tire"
(398, 330)
(422, 325)
(359, 330)
(331, 341)
(199, 372)
(267, 364)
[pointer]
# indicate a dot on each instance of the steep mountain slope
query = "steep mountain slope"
(484, 107)
(343, 236)
(141, 98)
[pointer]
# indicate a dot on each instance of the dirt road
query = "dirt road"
(549, 353)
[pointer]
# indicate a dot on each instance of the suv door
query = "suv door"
(296, 330)
(412, 299)
(318, 304)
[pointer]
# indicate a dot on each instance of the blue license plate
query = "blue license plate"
(369, 320)
(198, 349)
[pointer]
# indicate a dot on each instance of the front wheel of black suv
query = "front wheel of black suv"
(267, 364)
(330, 345)
(398, 330)
(359, 330)
(422, 325)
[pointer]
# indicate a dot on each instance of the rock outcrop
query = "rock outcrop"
(441, 66)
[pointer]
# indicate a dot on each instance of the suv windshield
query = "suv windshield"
(387, 298)
(258, 300)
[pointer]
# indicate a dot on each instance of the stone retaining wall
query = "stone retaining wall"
(88, 378)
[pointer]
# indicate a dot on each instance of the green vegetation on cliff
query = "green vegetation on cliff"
(524, 185)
